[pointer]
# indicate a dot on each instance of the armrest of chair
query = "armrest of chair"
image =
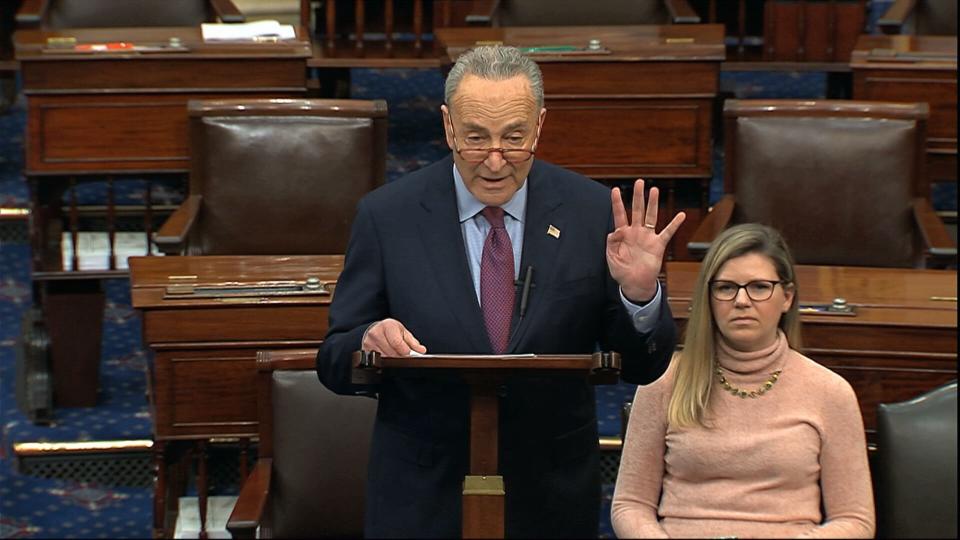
(31, 13)
(172, 236)
(248, 511)
(227, 11)
(716, 221)
(482, 13)
(940, 248)
(681, 12)
(893, 20)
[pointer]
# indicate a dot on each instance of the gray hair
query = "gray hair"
(495, 63)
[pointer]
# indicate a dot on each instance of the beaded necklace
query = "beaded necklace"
(743, 393)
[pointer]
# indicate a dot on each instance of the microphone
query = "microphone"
(525, 291)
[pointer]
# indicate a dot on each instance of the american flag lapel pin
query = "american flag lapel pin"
(553, 231)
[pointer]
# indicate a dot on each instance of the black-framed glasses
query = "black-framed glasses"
(477, 155)
(758, 290)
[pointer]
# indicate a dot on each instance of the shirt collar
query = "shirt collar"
(468, 205)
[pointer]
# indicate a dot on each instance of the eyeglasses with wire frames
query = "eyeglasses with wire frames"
(758, 290)
(510, 155)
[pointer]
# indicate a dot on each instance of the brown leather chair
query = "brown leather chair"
(311, 471)
(920, 17)
(843, 181)
(56, 14)
(917, 466)
(276, 177)
(596, 12)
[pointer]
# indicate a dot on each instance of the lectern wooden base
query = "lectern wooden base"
(483, 489)
(483, 498)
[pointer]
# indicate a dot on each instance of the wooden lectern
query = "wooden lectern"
(483, 488)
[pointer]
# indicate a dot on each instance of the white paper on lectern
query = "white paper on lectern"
(246, 31)
(427, 355)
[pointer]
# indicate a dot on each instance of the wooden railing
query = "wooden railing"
(62, 219)
(795, 31)
(384, 33)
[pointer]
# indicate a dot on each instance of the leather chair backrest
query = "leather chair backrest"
(111, 13)
(936, 18)
(838, 188)
(579, 12)
(917, 466)
(283, 179)
(321, 446)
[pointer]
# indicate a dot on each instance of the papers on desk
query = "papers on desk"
(93, 251)
(256, 31)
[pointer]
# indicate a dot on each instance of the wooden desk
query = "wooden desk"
(914, 68)
(204, 348)
(642, 109)
(901, 342)
(117, 113)
(112, 112)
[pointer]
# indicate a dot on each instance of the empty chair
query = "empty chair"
(843, 181)
(57, 14)
(311, 471)
(276, 177)
(917, 466)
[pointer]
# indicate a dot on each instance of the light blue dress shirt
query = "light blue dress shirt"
(475, 227)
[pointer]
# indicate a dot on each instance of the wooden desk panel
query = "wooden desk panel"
(901, 342)
(914, 68)
(670, 137)
(205, 347)
(118, 132)
(112, 112)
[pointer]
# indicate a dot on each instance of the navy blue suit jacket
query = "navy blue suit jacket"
(406, 260)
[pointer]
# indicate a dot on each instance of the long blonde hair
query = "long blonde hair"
(693, 380)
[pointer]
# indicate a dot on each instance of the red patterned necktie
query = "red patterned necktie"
(496, 280)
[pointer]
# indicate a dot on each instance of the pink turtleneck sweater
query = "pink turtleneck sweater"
(763, 468)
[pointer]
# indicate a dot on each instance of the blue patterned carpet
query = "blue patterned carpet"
(33, 507)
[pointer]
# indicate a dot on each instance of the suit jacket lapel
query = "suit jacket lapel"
(544, 210)
(443, 244)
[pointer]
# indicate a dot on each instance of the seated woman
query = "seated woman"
(743, 436)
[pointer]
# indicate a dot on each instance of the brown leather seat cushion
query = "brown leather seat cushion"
(321, 446)
(838, 199)
(917, 466)
(282, 184)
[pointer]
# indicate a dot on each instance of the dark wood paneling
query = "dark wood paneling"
(812, 31)
(181, 75)
(876, 383)
(111, 132)
(914, 69)
(206, 392)
(633, 79)
(256, 322)
(629, 137)
(939, 90)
